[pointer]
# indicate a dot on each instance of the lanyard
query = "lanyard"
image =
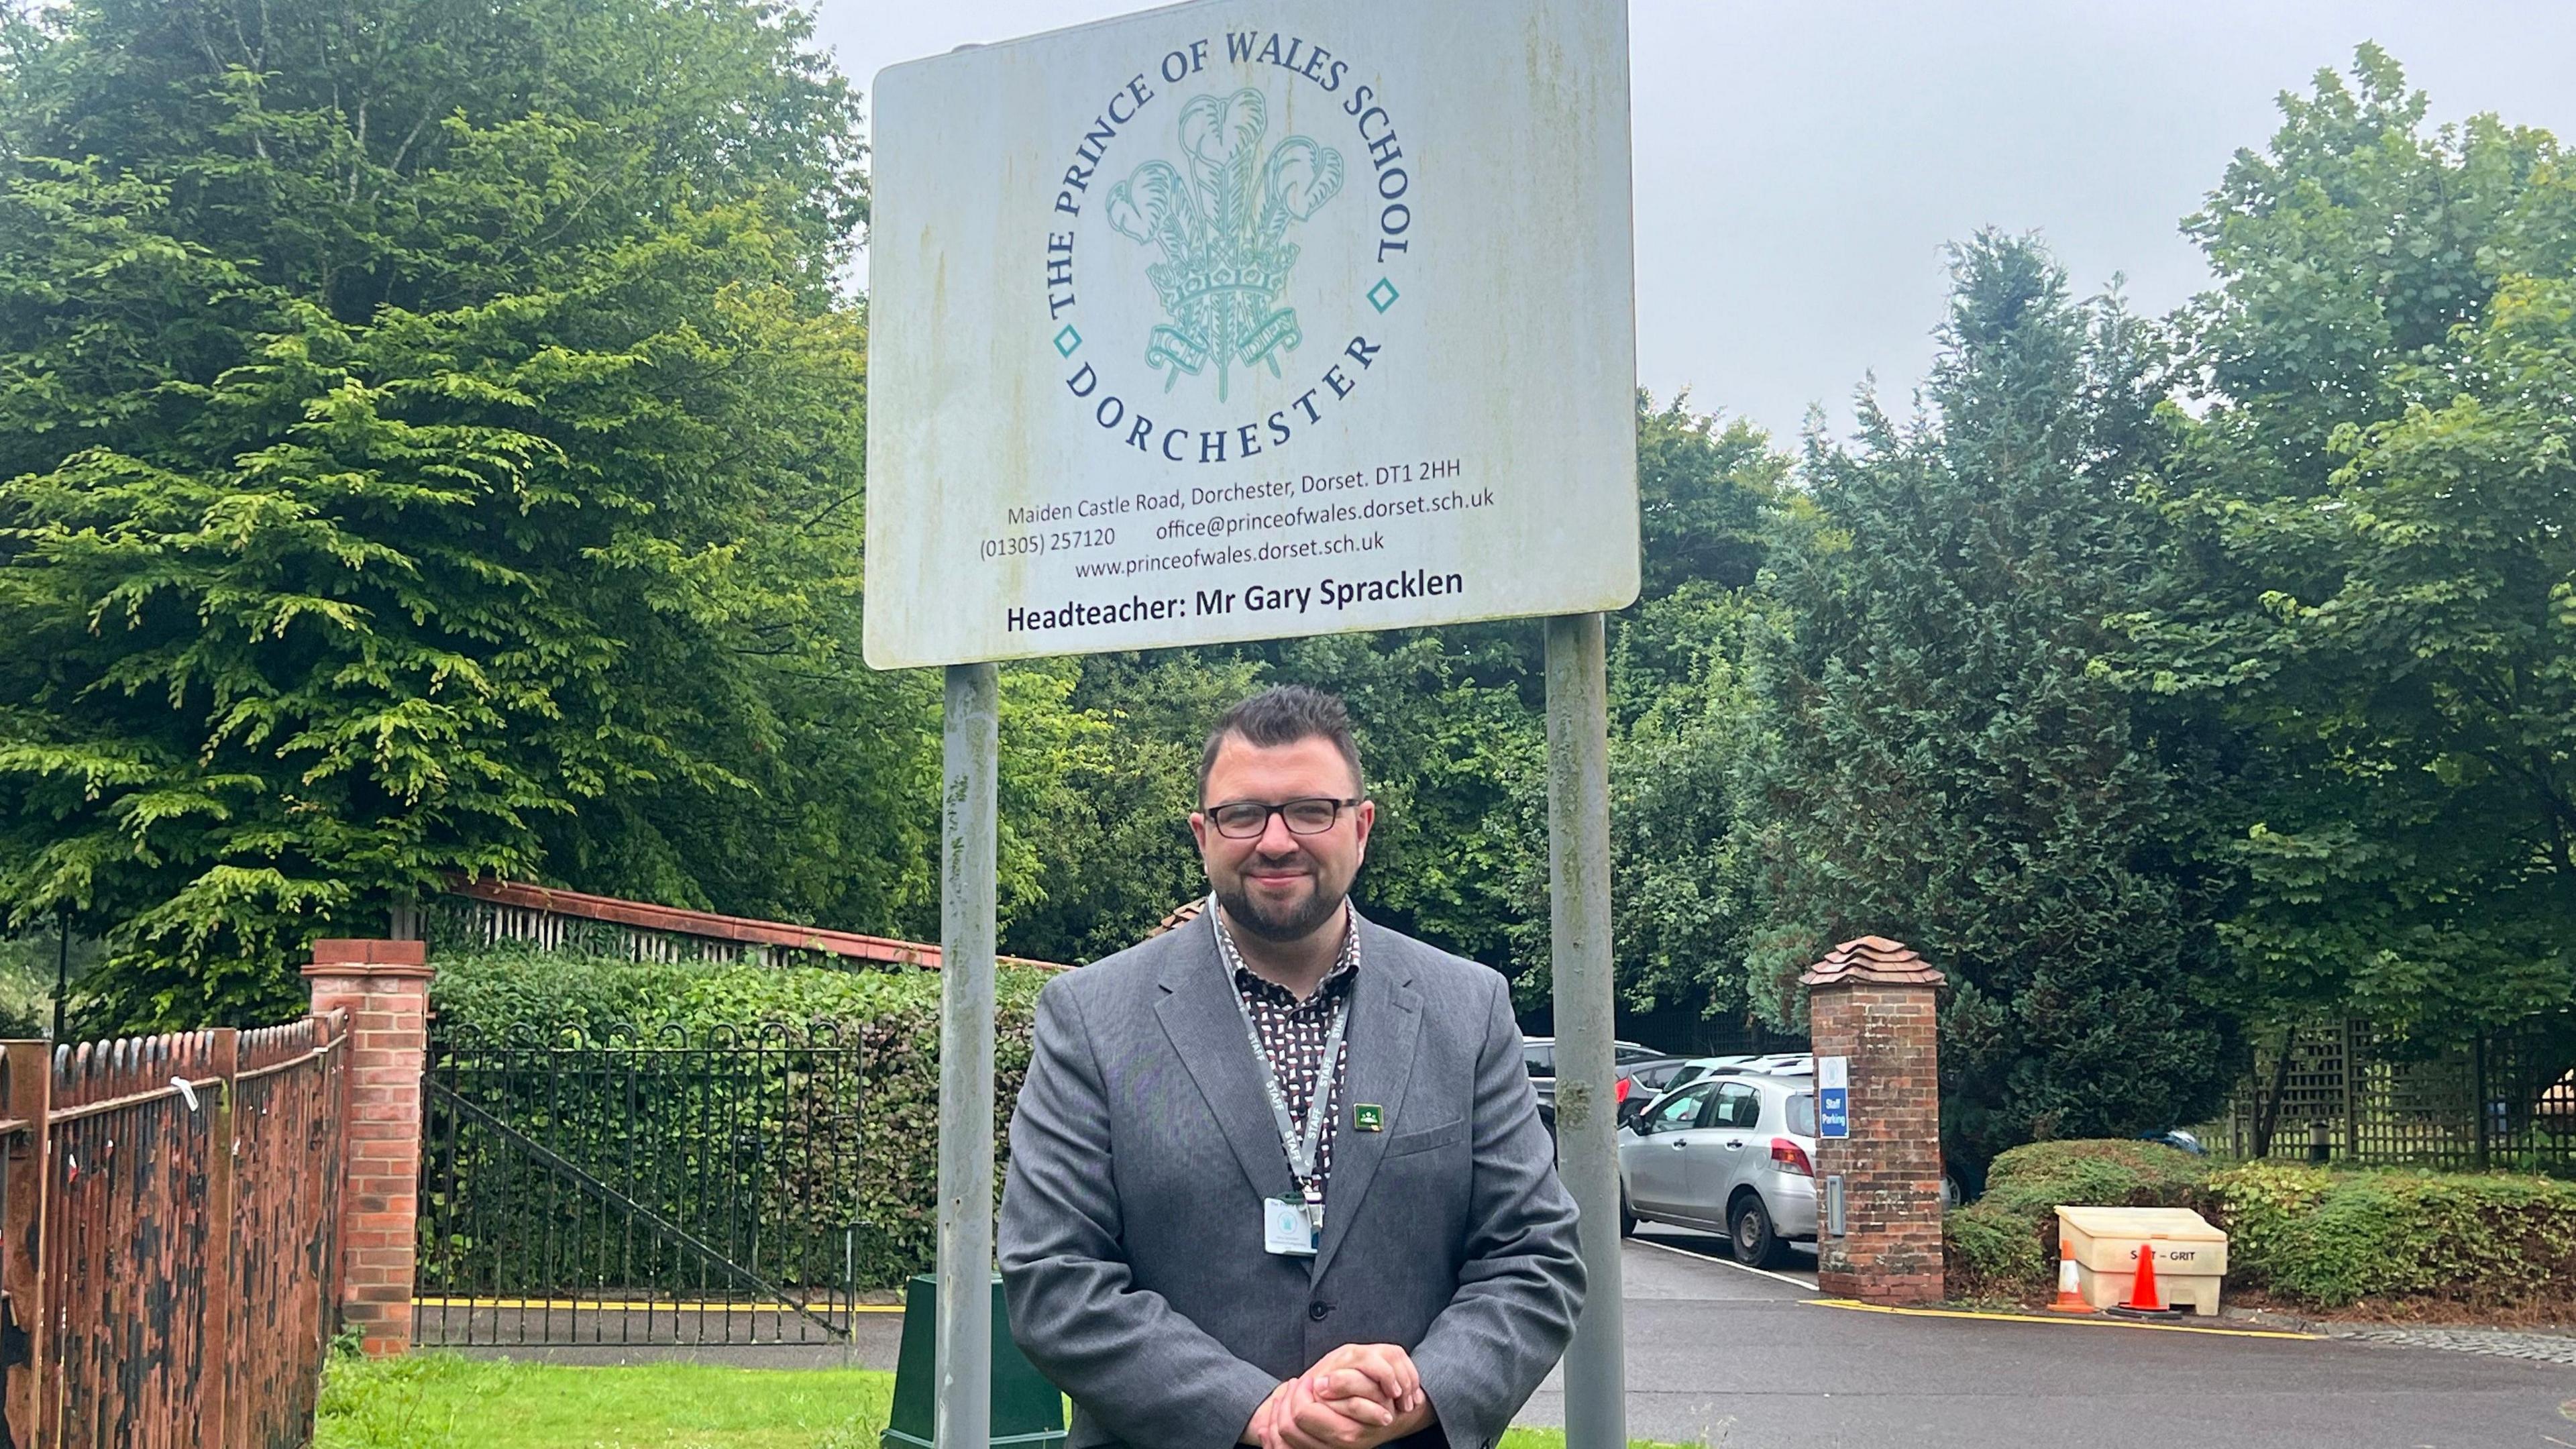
(1301, 1150)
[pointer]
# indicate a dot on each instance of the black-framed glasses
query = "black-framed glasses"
(1247, 819)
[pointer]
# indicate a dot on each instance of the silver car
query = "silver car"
(1730, 1154)
(1699, 1067)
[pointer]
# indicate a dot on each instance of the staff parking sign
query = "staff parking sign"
(1251, 318)
(1833, 1096)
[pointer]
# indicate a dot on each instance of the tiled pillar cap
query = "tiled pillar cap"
(1873, 960)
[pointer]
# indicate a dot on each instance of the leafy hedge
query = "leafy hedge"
(2004, 1245)
(518, 989)
(2308, 1236)
(2330, 1239)
(882, 1093)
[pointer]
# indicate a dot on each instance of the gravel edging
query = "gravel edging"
(2528, 1345)
(2556, 1348)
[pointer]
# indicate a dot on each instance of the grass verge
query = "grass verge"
(441, 1401)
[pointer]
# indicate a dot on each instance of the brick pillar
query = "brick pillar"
(384, 986)
(1872, 1002)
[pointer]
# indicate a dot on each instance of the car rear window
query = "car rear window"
(1802, 1114)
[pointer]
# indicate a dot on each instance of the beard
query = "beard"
(1296, 924)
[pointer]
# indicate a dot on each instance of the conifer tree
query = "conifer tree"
(1942, 757)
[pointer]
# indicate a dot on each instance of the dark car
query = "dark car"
(1642, 1082)
(1654, 1075)
(1627, 1058)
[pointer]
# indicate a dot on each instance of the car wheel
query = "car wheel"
(1756, 1246)
(1627, 1217)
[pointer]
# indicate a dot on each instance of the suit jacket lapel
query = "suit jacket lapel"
(1199, 1014)
(1386, 1021)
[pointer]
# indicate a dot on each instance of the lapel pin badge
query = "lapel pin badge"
(1369, 1117)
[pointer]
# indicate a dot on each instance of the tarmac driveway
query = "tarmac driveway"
(1734, 1359)
(1722, 1356)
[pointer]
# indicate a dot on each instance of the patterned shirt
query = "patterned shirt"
(1292, 1032)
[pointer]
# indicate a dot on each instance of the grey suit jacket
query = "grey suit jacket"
(1130, 1233)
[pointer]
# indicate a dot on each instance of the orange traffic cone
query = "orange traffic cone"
(2143, 1297)
(2068, 1300)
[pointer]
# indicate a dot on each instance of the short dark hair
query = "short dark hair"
(1282, 715)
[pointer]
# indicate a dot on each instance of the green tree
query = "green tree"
(1112, 830)
(1451, 722)
(430, 442)
(1683, 726)
(1942, 756)
(2372, 565)
(1681, 712)
(1706, 493)
(1447, 722)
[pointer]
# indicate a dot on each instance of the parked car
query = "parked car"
(1642, 1082)
(1792, 1063)
(1733, 1153)
(1538, 1053)
(1698, 1067)
(1785, 1064)
(1656, 1075)
(1652, 1079)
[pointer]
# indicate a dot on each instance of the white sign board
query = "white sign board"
(1249, 318)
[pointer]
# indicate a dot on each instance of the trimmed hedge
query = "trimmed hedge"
(2330, 1239)
(2004, 1245)
(889, 1018)
(2308, 1236)
(514, 989)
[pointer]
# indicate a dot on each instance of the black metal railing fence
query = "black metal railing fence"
(675, 1185)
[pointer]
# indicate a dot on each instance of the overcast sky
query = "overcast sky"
(1800, 165)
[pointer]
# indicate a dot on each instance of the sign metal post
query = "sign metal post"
(970, 730)
(1578, 869)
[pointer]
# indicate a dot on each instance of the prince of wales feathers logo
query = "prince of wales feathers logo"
(1223, 235)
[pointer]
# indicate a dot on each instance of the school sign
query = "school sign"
(1241, 319)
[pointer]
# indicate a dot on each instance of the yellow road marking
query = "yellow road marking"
(614, 1305)
(2069, 1321)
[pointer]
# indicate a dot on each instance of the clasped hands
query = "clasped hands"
(1357, 1397)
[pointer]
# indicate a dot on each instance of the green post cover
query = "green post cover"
(1028, 1413)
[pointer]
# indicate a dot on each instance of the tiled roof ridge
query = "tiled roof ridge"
(1181, 915)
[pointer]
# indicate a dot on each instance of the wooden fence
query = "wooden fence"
(2504, 1097)
(169, 1236)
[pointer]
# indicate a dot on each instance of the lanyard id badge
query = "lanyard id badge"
(1294, 1226)
(1291, 1227)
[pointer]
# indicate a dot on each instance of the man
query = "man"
(1277, 1176)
